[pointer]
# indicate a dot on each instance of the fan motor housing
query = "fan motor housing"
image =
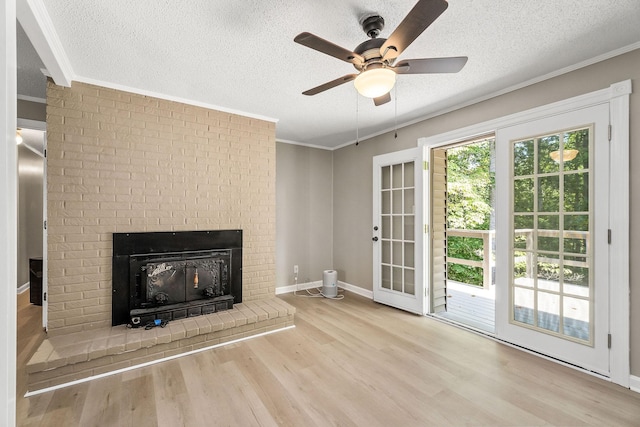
(370, 50)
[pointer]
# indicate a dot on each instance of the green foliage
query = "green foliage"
(470, 185)
(465, 274)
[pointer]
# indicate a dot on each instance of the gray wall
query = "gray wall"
(353, 168)
(304, 209)
(32, 110)
(30, 180)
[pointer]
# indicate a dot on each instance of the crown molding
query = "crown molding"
(159, 95)
(37, 24)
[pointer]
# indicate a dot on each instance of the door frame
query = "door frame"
(42, 126)
(617, 95)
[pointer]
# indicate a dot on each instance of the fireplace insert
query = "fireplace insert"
(163, 276)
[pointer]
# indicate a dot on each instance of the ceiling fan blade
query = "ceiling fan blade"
(382, 99)
(324, 46)
(333, 83)
(421, 16)
(431, 65)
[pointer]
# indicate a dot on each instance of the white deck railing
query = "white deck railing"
(488, 236)
(486, 263)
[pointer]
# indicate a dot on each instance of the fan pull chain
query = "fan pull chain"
(395, 116)
(357, 122)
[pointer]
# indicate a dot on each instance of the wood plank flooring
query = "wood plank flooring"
(350, 362)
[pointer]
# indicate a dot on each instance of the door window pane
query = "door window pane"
(409, 228)
(409, 281)
(576, 192)
(386, 202)
(549, 311)
(523, 158)
(548, 274)
(396, 207)
(523, 269)
(409, 174)
(523, 195)
(576, 318)
(386, 227)
(576, 149)
(409, 201)
(396, 178)
(548, 154)
(397, 227)
(386, 252)
(386, 277)
(523, 305)
(549, 222)
(549, 194)
(523, 231)
(397, 279)
(576, 222)
(396, 253)
(409, 255)
(386, 177)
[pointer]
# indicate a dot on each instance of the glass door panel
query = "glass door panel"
(552, 196)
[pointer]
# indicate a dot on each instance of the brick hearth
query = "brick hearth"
(70, 357)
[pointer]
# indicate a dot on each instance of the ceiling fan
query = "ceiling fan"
(374, 59)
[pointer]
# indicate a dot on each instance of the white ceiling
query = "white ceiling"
(240, 55)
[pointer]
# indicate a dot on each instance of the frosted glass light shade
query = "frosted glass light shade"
(375, 83)
(567, 155)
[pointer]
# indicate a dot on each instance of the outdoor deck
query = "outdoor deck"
(471, 305)
(474, 306)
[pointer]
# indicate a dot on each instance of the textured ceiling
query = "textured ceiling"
(240, 55)
(31, 80)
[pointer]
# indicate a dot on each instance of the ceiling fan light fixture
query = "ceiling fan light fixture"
(376, 82)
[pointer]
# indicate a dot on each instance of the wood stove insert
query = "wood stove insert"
(172, 275)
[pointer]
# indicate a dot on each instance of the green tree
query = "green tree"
(470, 184)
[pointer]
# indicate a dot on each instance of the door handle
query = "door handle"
(375, 239)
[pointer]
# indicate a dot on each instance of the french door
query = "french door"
(552, 255)
(398, 252)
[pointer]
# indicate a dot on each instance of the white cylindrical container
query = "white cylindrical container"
(330, 283)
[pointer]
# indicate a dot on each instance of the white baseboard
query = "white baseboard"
(298, 287)
(355, 289)
(317, 284)
(24, 288)
(634, 383)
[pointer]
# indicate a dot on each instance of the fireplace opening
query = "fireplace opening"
(163, 276)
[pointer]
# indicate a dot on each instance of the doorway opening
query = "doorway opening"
(32, 237)
(463, 233)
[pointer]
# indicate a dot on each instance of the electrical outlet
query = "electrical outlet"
(295, 269)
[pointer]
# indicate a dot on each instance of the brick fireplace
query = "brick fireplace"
(119, 162)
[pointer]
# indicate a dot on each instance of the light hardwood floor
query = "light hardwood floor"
(349, 363)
